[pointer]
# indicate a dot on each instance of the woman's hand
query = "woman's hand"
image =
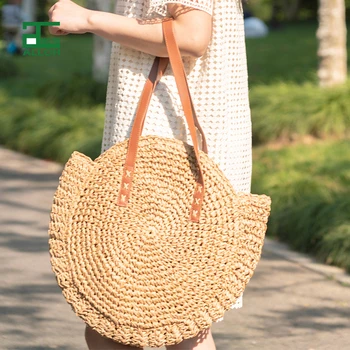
(72, 17)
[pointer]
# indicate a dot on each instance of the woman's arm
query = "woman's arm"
(192, 28)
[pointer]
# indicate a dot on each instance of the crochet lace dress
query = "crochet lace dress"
(217, 82)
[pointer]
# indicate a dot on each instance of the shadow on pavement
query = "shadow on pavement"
(285, 305)
(26, 244)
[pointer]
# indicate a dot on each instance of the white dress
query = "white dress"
(217, 82)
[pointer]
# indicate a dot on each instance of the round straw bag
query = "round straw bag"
(150, 243)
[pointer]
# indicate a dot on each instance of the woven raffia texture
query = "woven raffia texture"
(144, 274)
(218, 82)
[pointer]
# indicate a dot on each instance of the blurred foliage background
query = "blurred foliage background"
(50, 106)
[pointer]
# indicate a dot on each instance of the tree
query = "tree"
(291, 9)
(101, 46)
(331, 34)
(29, 8)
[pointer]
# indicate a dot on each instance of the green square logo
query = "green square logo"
(35, 45)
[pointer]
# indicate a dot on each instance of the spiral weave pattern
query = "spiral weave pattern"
(145, 275)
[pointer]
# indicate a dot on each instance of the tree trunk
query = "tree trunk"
(291, 9)
(276, 9)
(101, 46)
(331, 34)
(29, 14)
(29, 9)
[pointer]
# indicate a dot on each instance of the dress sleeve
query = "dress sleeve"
(160, 6)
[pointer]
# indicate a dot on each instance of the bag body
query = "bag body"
(150, 243)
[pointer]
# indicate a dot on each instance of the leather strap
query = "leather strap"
(156, 72)
(160, 64)
(158, 68)
(182, 86)
(196, 122)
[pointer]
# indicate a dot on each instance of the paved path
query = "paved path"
(286, 306)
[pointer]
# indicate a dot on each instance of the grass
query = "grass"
(36, 111)
(288, 111)
(8, 68)
(309, 187)
(286, 55)
(78, 90)
(54, 108)
(285, 99)
(47, 132)
(34, 71)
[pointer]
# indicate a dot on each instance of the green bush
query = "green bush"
(310, 190)
(77, 90)
(287, 111)
(8, 67)
(47, 132)
(260, 8)
(307, 9)
(285, 55)
(309, 184)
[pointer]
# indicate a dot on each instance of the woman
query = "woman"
(210, 35)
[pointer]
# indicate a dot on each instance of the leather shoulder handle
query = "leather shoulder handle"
(158, 68)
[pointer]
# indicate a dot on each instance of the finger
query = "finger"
(51, 31)
(54, 30)
(62, 32)
(51, 10)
